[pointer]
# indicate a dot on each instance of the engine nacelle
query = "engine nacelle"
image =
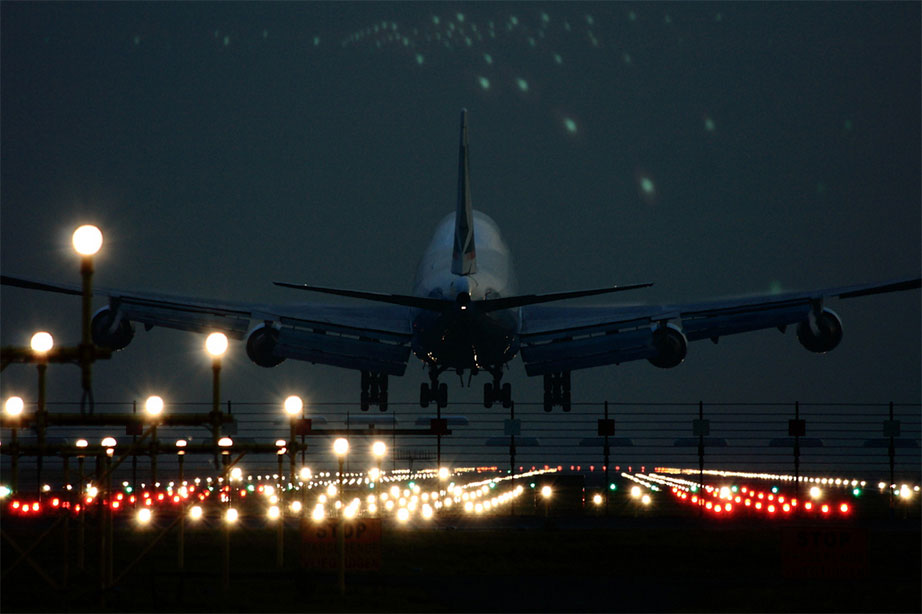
(820, 333)
(261, 344)
(111, 331)
(671, 346)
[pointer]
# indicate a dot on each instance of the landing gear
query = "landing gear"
(496, 392)
(557, 390)
(374, 390)
(433, 392)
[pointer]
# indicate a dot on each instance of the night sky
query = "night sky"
(714, 149)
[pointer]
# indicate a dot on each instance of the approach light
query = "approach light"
(341, 447)
(14, 406)
(42, 342)
(87, 240)
(231, 515)
(216, 344)
(305, 474)
(145, 515)
(444, 473)
(153, 406)
(195, 512)
(293, 405)
(378, 449)
(597, 499)
(546, 492)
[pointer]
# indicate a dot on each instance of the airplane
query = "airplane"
(464, 315)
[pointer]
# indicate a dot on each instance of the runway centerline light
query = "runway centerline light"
(87, 240)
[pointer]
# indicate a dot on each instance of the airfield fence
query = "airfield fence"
(845, 439)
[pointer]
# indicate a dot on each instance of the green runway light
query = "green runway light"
(775, 490)
(856, 492)
(612, 486)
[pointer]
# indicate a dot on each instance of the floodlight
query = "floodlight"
(87, 240)
(216, 344)
(42, 342)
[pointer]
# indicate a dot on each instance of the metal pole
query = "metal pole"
(606, 452)
(892, 452)
(215, 408)
(280, 539)
(134, 454)
(41, 421)
(154, 452)
(181, 549)
(797, 451)
(701, 461)
(341, 534)
(512, 451)
(14, 459)
(81, 527)
(86, 349)
(225, 570)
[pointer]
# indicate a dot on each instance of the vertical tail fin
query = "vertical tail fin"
(464, 256)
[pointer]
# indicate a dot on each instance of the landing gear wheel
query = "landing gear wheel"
(424, 395)
(488, 395)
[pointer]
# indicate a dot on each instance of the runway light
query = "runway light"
(87, 240)
(293, 405)
(42, 342)
(273, 512)
(546, 492)
(153, 406)
(403, 514)
(305, 474)
(145, 515)
(231, 515)
(597, 499)
(14, 406)
(216, 344)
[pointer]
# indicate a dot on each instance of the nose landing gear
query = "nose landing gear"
(374, 390)
(433, 392)
(557, 391)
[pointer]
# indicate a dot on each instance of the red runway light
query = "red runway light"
(758, 505)
(748, 502)
(771, 509)
(55, 502)
(36, 507)
(15, 505)
(808, 505)
(825, 509)
(115, 505)
(844, 508)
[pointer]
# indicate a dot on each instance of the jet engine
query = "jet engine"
(111, 331)
(261, 344)
(671, 346)
(820, 333)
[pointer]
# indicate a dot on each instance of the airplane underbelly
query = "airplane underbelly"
(471, 341)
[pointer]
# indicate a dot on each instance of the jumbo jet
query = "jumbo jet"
(464, 315)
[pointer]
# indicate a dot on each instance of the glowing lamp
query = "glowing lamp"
(546, 492)
(341, 447)
(153, 406)
(225, 442)
(87, 240)
(108, 442)
(305, 474)
(181, 443)
(14, 406)
(293, 405)
(81, 443)
(231, 515)
(378, 449)
(145, 515)
(42, 342)
(195, 512)
(216, 344)
(274, 512)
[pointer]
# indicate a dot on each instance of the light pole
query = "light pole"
(378, 450)
(153, 407)
(87, 241)
(340, 449)
(293, 408)
(13, 409)
(42, 343)
(216, 345)
(546, 494)
(181, 550)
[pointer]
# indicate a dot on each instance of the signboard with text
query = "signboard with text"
(362, 544)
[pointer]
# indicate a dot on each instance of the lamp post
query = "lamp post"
(41, 343)
(293, 408)
(216, 345)
(181, 550)
(87, 241)
(13, 409)
(340, 449)
(546, 494)
(153, 408)
(378, 450)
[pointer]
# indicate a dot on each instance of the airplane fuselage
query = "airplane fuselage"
(465, 338)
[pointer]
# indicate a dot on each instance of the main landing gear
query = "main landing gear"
(374, 390)
(496, 392)
(433, 392)
(557, 390)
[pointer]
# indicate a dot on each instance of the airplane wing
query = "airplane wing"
(373, 338)
(557, 339)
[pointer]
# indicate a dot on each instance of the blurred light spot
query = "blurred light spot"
(484, 82)
(570, 125)
(522, 83)
(419, 58)
(488, 58)
(709, 124)
(557, 59)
